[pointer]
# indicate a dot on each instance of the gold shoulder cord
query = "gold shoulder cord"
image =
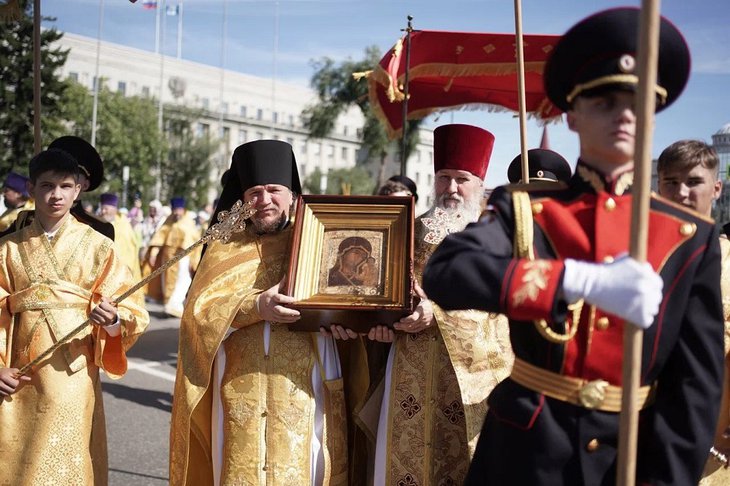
(523, 239)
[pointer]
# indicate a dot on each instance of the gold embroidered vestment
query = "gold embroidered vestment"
(440, 382)
(268, 402)
(52, 427)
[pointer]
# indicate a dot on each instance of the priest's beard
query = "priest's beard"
(467, 210)
(262, 227)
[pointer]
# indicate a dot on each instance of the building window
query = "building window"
(122, 88)
(317, 149)
(206, 103)
(224, 108)
(146, 91)
(418, 156)
(418, 178)
(243, 111)
(345, 153)
(291, 120)
(290, 141)
(259, 135)
(259, 114)
(226, 134)
(242, 136)
(345, 129)
(275, 117)
(331, 151)
(203, 130)
(303, 148)
(73, 76)
(430, 180)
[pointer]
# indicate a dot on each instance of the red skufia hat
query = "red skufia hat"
(462, 147)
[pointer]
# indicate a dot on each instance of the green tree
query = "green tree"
(16, 88)
(357, 178)
(337, 91)
(126, 135)
(189, 163)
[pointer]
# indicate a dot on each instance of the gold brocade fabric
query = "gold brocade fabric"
(10, 215)
(715, 474)
(53, 429)
(172, 237)
(125, 242)
(440, 382)
(267, 400)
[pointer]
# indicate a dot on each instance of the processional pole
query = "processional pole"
(404, 132)
(36, 76)
(519, 47)
(633, 335)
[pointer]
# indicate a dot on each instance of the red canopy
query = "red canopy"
(453, 69)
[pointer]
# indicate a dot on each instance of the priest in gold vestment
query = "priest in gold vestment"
(254, 402)
(54, 274)
(125, 239)
(688, 175)
(442, 365)
(16, 198)
(176, 233)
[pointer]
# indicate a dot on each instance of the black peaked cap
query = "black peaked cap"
(600, 52)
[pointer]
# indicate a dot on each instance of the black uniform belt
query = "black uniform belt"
(595, 394)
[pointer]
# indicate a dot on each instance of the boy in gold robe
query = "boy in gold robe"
(54, 274)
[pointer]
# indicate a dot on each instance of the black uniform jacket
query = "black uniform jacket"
(103, 227)
(529, 438)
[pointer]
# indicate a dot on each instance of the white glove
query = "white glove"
(625, 288)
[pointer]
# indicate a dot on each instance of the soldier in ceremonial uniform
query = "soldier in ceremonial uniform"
(553, 261)
(688, 175)
(545, 165)
(91, 174)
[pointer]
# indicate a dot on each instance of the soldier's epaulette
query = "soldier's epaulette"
(684, 209)
(537, 186)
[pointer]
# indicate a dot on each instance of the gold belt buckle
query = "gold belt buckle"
(592, 394)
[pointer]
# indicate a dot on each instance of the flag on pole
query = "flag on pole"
(149, 4)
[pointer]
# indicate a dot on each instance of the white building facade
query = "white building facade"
(236, 107)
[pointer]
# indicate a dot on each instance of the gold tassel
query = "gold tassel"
(362, 74)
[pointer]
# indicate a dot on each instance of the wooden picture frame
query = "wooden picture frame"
(351, 262)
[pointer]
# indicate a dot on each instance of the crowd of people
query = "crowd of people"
(506, 371)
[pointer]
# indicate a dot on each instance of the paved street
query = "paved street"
(138, 406)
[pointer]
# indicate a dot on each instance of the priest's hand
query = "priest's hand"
(381, 334)
(421, 318)
(271, 306)
(9, 380)
(338, 332)
(104, 314)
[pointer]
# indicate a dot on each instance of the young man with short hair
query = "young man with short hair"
(553, 260)
(55, 274)
(688, 176)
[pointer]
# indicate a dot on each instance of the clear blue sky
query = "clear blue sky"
(312, 29)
